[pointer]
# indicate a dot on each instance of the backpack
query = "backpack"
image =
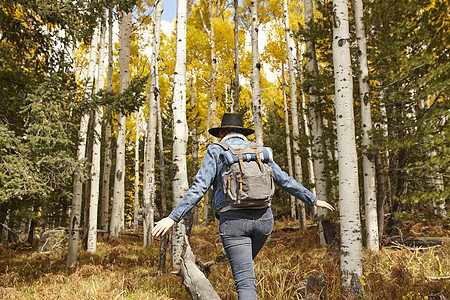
(247, 179)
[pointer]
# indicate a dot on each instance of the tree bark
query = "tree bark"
(149, 166)
(194, 280)
(294, 113)
(136, 172)
(311, 176)
(316, 120)
(236, 57)
(351, 247)
(87, 185)
(288, 143)
(370, 199)
(96, 154)
(75, 215)
(180, 181)
(104, 209)
(255, 80)
(117, 214)
(381, 194)
(161, 157)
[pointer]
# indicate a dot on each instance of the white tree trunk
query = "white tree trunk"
(255, 80)
(312, 178)
(161, 155)
(96, 149)
(294, 108)
(180, 181)
(117, 214)
(316, 121)
(288, 142)
(104, 208)
(149, 191)
(370, 198)
(351, 248)
(236, 57)
(77, 199)
(149, 164)
(136, 170)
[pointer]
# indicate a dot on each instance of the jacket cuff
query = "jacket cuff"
(174, 217)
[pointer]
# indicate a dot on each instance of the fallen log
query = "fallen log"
(196, 283)
(414, 241)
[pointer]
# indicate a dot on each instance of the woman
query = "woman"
(243, 231)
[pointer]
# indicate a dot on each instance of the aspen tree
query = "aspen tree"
(161, 155)
(288, 141)
(179, 181)
(255, 80)
(351, 248)
(294, 111)
(370, 198)
(104, 208)
(213, 59)
(96, 155)
(77, 199)
(208, 138)
(310, 162)
(316, 120)
(195, 144)
(117, 214)
(149, 165)
(236, 57)
(136, 170)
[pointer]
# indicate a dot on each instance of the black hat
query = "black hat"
(233, 122)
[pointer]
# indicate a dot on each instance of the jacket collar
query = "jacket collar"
(234, 135)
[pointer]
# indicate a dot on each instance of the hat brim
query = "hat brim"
(245, 131)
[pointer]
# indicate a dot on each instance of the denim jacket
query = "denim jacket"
(209, 174)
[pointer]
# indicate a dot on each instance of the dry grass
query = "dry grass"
(123, 269)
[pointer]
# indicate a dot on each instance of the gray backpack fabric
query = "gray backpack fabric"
(247, 179)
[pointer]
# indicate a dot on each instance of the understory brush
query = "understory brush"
(124, 269)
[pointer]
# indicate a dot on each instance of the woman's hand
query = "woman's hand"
(324, 204)
(162, 226)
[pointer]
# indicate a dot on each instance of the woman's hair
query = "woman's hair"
(226, 131)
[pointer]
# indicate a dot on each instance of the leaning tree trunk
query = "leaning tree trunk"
(370, 198)
(104, 208)
(294, 108)
(117, 214)
(96, 154)
(179, 180)
(255, 80)
(288, 142)
(316, 120)
(351, 247)
(77, 199)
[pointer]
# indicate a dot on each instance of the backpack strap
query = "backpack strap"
(235, 151)
(251, 151)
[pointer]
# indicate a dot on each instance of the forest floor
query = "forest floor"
(124, 269)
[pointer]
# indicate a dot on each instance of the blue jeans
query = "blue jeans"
(243, 233)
